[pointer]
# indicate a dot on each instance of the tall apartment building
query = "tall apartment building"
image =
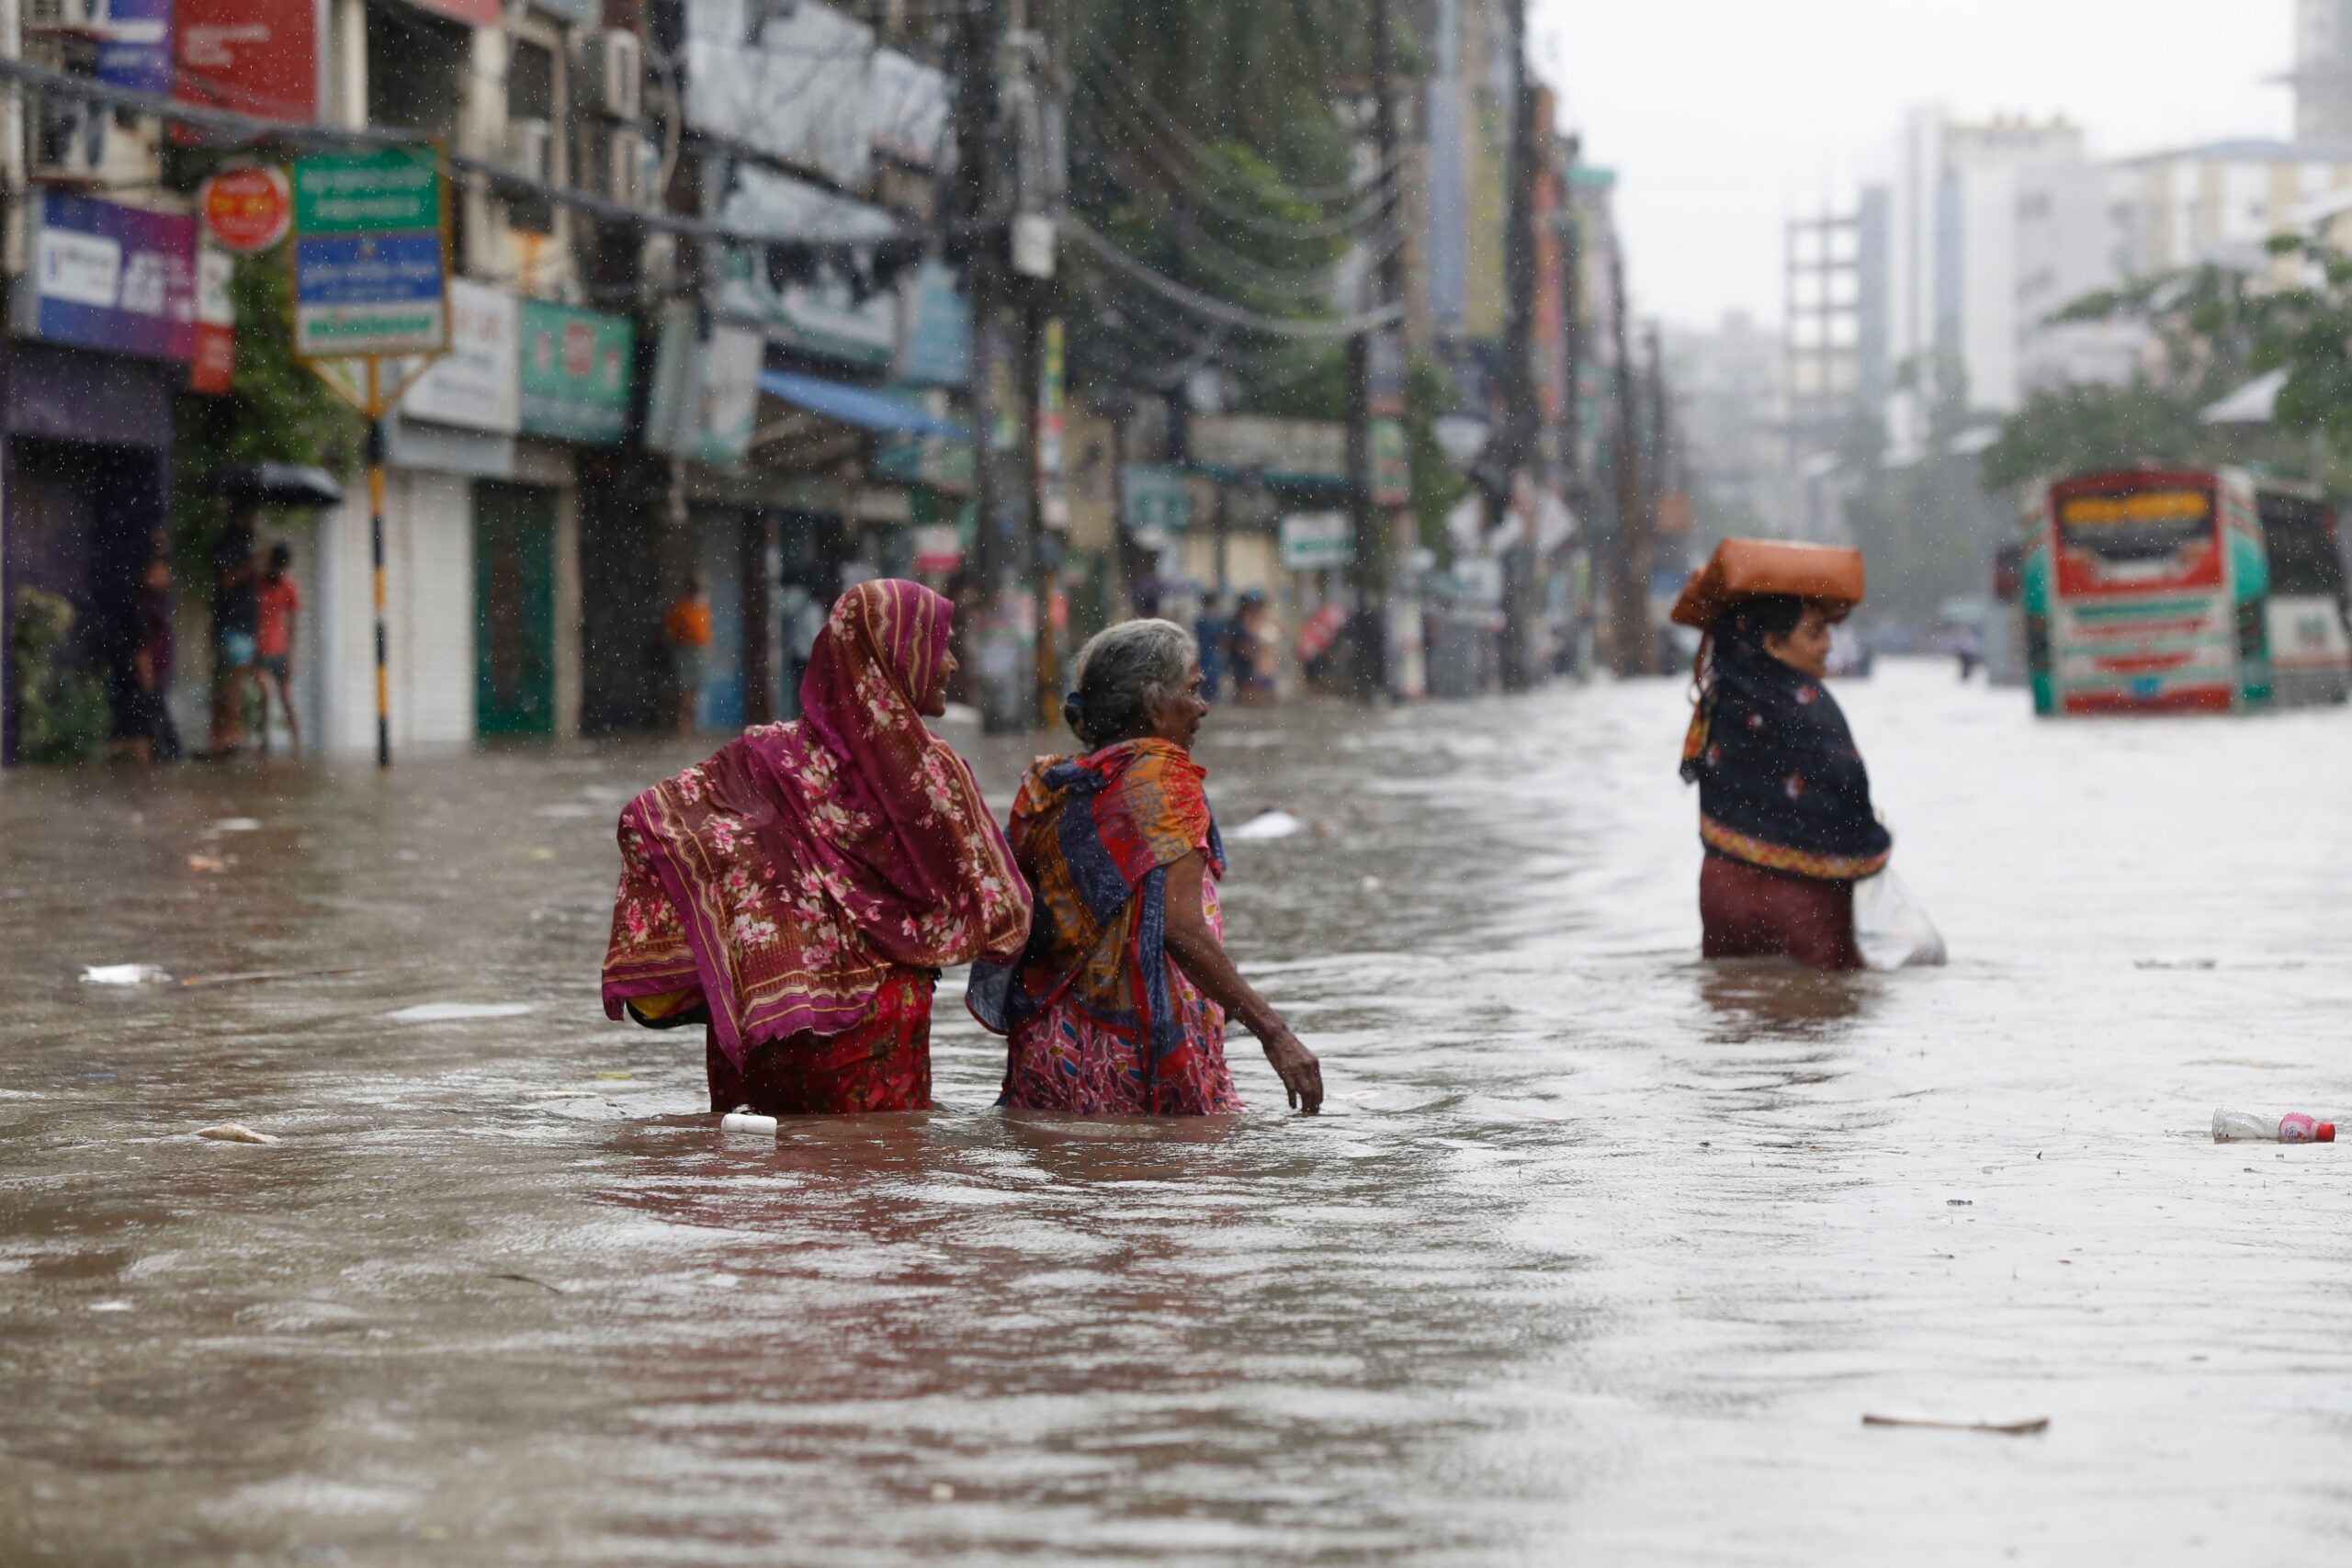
(2323, 74)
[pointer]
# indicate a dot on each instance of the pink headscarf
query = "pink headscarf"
(789, 875)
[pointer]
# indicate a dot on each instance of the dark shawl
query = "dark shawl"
(1780, 785)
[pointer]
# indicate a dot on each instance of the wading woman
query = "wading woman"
(1784, 801)
(1118, 1006)
(799, 893)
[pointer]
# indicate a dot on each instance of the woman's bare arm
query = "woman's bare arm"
(1203, 958)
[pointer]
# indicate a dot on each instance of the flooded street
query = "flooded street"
(1597, 1252)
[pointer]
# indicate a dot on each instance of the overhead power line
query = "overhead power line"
(1355, 221)
(1209, 308)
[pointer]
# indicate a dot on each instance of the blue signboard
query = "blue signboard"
(136, 51)
(116, 278)
(368, 269)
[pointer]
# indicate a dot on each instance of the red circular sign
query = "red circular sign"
(247, 209)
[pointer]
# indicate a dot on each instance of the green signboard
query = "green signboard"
(576, 374)
(1155, 500)
(383, 191)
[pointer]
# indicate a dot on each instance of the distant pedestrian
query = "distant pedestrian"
(279, 603)
(799, 893)
(236, 617)
(143, 728)
(1254, 651)
(686, 629)
(1213, 634)
(1969, 649)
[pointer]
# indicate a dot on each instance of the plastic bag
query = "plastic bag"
(1889, 928)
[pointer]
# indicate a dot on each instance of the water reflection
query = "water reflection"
(1774, 998)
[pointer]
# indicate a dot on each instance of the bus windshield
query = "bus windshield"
(2139, 525)
(2303, 559)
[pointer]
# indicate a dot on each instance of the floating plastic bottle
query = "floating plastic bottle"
(2253, 1127)
(744, 1121)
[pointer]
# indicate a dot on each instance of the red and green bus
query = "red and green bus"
(2180, 590)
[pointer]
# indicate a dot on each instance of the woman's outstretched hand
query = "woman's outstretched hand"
(1301, 1074)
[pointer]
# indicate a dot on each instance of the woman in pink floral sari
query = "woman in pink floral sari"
(797, 893)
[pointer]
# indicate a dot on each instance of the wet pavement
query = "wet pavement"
(1600, 1253)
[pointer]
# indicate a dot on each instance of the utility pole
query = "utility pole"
(979, 235)
(1661, 465)
(1630, 567)
(1008, 144)
(1516, 445)
(1572, 343)
(1376, 384)
(1042, 181)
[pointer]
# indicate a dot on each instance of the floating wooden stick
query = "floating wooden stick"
(2007, 1428)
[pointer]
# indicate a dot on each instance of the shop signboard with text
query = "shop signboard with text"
(259, 57)
(119, 279)
(1156, 503)
(576, 374)
(1313, 541)
(214, 369)
(135, 51)
(705, 391)
(474, 386)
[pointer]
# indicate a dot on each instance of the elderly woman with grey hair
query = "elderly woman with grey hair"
(1118, 1005)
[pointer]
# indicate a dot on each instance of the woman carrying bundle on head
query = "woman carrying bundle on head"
(1118, 1007)
(799, 893)
(1784, 800)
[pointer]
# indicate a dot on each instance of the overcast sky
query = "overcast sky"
(1724, 117)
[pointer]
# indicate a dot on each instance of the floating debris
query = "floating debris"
(124, 975)
(1267, 824)
(234, 1132)
(2006, 1429)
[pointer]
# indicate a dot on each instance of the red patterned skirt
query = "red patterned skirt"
(1064, 1060)
(1749, 912)
(883, 1063)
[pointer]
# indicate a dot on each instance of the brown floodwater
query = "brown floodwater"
(1599, 1255)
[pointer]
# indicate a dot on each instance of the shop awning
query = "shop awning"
(860, 406)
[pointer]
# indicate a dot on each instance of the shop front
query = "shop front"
(102, 327)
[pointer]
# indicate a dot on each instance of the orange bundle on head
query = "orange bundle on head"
(1828, 575)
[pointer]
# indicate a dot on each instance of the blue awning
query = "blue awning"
(861, 406)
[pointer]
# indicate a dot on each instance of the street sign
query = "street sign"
(370, 258)
(1314, 540)
(1157, 501)
(246, 210)
(371, 283)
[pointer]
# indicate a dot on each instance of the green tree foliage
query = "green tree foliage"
(2213, 329)
(2073, 429)
(1208, 142)
(275, 412)
(62, 712)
